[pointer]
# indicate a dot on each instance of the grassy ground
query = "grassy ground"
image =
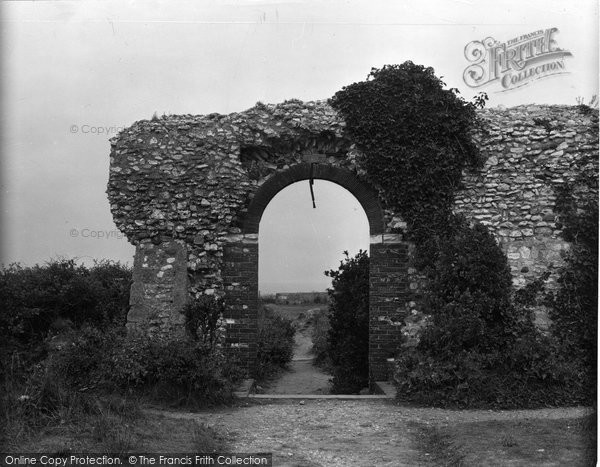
(111, 434)
(563, 442)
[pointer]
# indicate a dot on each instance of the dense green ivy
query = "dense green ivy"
(416, 138)
(480, 347)
(574, 305)
(468, 294)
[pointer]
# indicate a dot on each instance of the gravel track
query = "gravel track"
(343, 433)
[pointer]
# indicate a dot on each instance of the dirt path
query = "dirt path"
(317, 433)
(302, 377)
(342, 433)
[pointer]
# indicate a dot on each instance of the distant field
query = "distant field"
(293, 311)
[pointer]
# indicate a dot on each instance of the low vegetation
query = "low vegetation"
(66, 359)
(275, 345)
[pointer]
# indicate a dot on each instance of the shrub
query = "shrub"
(188, 370)
(79, 360)
(47, 399)
(59, 295)
(202, 319)
(188, 373)
(175, 370)
(113, 282)
(349, 320)
(480, 348)
(528, 373)
(469, 293)
(275, 345)
(39, 396)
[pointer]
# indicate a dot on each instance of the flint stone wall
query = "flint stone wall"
(186, 190)
(529, 152)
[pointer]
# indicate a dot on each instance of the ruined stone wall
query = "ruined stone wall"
(529, 152)
(181, 187)
(190, 179)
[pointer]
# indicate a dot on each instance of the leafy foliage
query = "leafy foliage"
(416, 138)
(349, 320)
(469, 293)
(481, 348)
(275, 345)
(574, 306)
(202, 318)
(63, 337)
(171, 369)
(36, 296)
(480, 345)
(527, 373)
(60, 295)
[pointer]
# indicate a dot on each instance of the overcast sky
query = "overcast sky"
(70, 69)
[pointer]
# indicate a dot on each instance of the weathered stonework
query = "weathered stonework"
(529, 152)
(189, 192)
(160, 285)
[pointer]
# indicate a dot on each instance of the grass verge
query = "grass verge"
(112, 433)
(438, 447)
(526, 442)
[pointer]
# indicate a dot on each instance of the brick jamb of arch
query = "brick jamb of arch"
(365, 195)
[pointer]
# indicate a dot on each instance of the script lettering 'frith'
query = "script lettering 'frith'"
(516, 62)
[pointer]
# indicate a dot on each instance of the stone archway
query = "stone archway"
(388, 283)
(189, 192)
(365, 195)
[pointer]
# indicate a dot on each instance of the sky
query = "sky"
(289, 262)
(75, 73)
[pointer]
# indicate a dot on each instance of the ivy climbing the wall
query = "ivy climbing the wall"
(479, 348)
(574, 305)
(416, 139)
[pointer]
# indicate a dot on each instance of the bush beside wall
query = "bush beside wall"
(348, 343)
(275, 345)
(481, 348)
